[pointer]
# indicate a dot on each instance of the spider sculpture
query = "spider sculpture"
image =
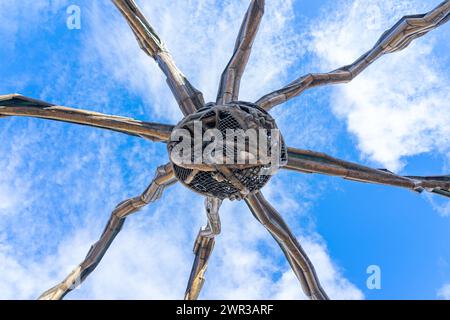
(230, 181)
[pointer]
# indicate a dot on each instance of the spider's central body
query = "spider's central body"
(226, 151)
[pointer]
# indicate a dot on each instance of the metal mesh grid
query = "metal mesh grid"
(227, 121)
(182, 173)
(251, 178)
(206, 182)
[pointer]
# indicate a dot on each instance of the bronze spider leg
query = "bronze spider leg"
(397, 38)
(17, 105)
(163, 178)
(203, 246)
(231, 76)
(316, 162)
(296, 256)
(188, 98)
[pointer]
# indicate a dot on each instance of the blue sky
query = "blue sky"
(59, 182)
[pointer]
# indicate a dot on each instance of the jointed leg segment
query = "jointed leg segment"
(18, 105)
(316, 162)
(296, 256)
(164, 177)
(231, 76)
(397, 38)
(204, 244)
(188, 98)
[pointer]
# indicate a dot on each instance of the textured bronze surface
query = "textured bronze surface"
(315, 162)
(234, 179)
(189, 99)
(231, 76)
(203, 246)
(18, 105)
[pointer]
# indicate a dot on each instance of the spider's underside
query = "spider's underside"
(236, 180)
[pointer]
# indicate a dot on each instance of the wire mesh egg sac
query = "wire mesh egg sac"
(234, 116)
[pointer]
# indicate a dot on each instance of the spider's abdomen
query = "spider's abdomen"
(226, 151)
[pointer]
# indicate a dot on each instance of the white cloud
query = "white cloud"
(151, 258)
(15, 190)
(444, 292)
(440, 205)
(25, 16)
(336, 286)
(201, 36)
(398, 107)
(77, 175)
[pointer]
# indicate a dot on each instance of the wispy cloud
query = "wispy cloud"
(399, 106)
(444, 292)
(24, 17)
(62, 181)
(201, 36)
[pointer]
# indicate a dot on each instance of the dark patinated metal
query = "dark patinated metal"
(230, 179)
